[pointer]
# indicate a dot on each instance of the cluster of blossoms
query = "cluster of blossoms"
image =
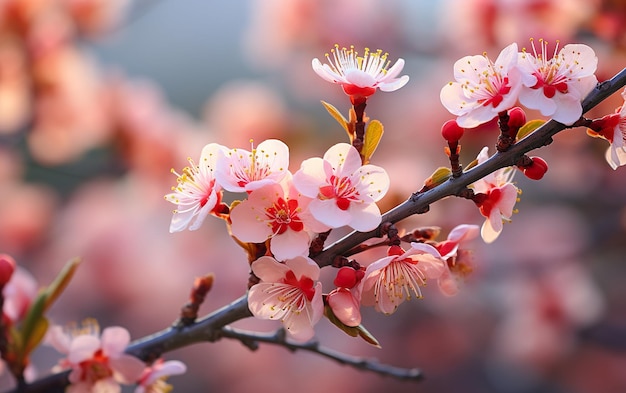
(283, 214)
(98, 362)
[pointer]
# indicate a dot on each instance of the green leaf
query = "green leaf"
(352, 331)
(60, 282)
(339, 117)
(440, 175)
(367, 336)
(373, 134)
(529, 128)
(32, 320)
(37, 334)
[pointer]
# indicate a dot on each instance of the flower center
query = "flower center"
(340, 189)
(96, 368)
(305, 284)
(283, 215)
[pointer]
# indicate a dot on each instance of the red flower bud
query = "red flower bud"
(537, 169)
(451, 131)
(517, 118)
(346, 277)
(7, 267)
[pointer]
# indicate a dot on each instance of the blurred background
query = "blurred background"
(100, 98)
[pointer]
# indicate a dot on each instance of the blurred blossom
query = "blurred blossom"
(27, 212)
(15, 94)
(243, 110)
(69, 111)
(280, 28)
(543, 312)
(94, 17)
(497, 23)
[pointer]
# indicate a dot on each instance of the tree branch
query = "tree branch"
(211, 328)
(419, 202)
(251, 340)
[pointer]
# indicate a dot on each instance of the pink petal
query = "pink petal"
(127, 369)
(364, 217)
(83, 348)
(310, 177)
(268, 269)
(328, 213)
(59, 340)
(249, 222)
(344, 159)
(345, 307)
(360, 78)
(115, 340)
(290, 244)
(394, 85)
(393, 72)
(304, 267)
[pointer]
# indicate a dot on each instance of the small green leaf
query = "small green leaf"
(37, 334)
(32, 320)
(367, 336)
(529, 128)
(60, 282)
(440, 175)
(352, 331)
(471, 165)
(339, 117)
(373, 134)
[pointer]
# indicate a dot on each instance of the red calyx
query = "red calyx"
(517, 118)
(536, 169)
(7, 267)
(346, 278)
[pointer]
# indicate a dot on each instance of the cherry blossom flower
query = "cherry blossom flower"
(288, 292)
(456, 260)
(197, 193)
(390, 281)
(499, 198)
(98, 363)
(482, 88)
(240, 170)
(613, 128)
(556, 85)
(344, 192)
(360, 76)
(153, 378)
(277, 212)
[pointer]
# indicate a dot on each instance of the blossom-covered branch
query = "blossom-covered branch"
(419, 202)
(212, 327)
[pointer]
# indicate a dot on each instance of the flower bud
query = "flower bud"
(536, 169)
(517, 118)
(451, 131)
(7, 267)
(346, 277)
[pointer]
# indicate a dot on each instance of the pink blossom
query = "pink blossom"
(449, 250)
(613, 128)
(153, 378)
(556, 85)
(482, 88)
(197, 194)
(277, 212)
(360, 76)
(98, 363)
(240, 170)
(19, 293)
(288, 292)
(344, 192)
(500, 196)
(390, 281)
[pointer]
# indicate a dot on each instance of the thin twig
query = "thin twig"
(251, 340)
